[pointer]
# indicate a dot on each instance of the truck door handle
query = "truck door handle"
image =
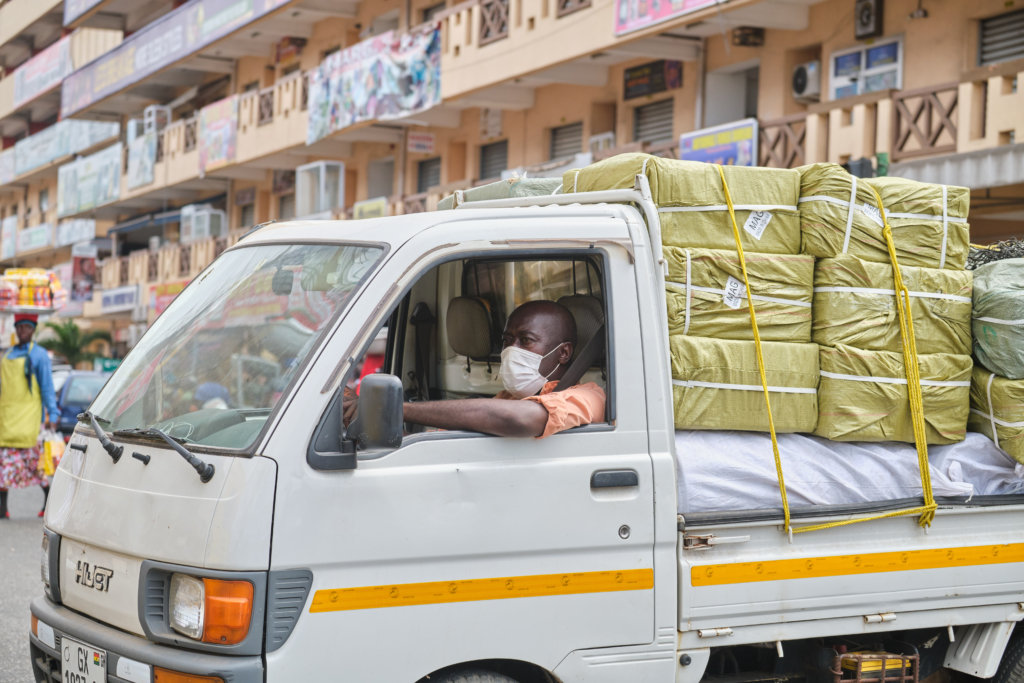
(612, 478)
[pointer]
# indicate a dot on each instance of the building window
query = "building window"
(430, 12)
(248, 215)
(428, 174)
(286, 207)
(44, 201)
(566, 141)
(493, 160)
(866, 69)
(1000, 38)
(653, 122)
(250, 86)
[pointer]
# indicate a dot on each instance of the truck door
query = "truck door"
(458, 546)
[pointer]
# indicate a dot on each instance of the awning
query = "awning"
(996, 167)
(155, 219)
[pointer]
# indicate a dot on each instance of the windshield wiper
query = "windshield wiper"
(112, 450)
(205, 470)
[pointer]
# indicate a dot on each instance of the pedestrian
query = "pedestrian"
(26, 387)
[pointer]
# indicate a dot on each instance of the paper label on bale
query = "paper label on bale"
(756, 223)
(873, 213)
(734, 291)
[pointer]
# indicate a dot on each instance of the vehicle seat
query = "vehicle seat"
(589, 314)
(468, 324)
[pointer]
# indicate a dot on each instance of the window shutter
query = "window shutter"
(653, 122)
(566, 140)
(1002, 38)
(493, 160)
(428, 174)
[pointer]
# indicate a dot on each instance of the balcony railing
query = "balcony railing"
(152, 267)
(184, 260)
(304, 99)
(123, 270)
(191, 134)
(266, 107)
(781, 143)
(493, 20)
(925, 121)
(570, 6)
(415, 203)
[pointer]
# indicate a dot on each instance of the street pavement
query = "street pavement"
(20, 538)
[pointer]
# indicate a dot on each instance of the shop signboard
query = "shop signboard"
(384, 77)
(105, 364)
(9, 237)
(283, 182)
(218, 134)
(421, 143)
(83, 271)
(172, 37)
(44, 71)
(74, 231)
(370, 208)
(652, 78)
(731, 144)
(60, 140)
(142, 161)
(161, 296)
(633, 15)
(89, 182)
(36, 237)
(119, 299)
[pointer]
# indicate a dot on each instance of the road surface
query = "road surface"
(20, 538)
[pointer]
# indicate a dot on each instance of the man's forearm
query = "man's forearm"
(487, 415)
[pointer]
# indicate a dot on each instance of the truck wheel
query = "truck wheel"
(474, 676)
(1011, 669)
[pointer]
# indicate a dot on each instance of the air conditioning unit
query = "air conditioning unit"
(199, 221)
(807, 82)
(867, 19)
(319, 188)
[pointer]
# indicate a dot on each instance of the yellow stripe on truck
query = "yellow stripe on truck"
(846, 565)
(502, 588)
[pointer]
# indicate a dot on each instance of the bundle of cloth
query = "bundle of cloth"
(715, 379)
(863, 394)
(502, 189)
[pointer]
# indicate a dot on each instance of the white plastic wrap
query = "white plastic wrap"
(721, 470)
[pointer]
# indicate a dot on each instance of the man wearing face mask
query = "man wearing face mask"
(537, 347)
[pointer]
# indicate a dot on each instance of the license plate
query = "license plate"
(82, 663)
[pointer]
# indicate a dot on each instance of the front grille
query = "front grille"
(45, 669)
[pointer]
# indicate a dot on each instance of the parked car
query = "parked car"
(60, 375)
(74, 394)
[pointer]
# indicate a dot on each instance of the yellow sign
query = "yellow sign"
(370, 208)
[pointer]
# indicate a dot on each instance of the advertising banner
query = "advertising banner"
(170, 38)
(8, 237)
(76, 8)
(218, 134)
(89, 182)
(6, 166)
(44, 71)
(83, 271)
(119, 299)
(633, 15)
(141, 160)
(733, 144)
(35, 237)
(370, 208)
(75, 231)
(161, 296)
(60, 140)
(385, 77)
(71, 308)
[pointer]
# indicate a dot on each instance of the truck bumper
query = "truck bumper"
(46, 660)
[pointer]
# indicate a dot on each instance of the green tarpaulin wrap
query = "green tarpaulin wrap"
(858, 401)
(855, 304)
(1005, 411)
(780, 283)
(504, 189)
(825, 191)
(716, 385)
(999, 317)
(696, 188)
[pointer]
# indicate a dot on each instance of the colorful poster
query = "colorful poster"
(141, 160)
(83, 271)
(44, 71)
(7, 166)
(633, 15)
(76, 8)
(60, 140)
(385, 77)
(8, 237)
(732, 144)
(161, 296)
(89, 182)
(172, 37)
(218, 134)
(75, 231)
(36, 237)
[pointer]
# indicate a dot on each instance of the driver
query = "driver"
(537, 346)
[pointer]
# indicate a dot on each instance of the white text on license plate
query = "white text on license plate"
(81, 663)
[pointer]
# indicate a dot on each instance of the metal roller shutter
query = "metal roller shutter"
(653, 122)
(566, 140)
(248, 215)
(428, 174)
(1002, 38)
(493, 159)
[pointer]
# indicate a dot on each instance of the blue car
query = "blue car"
(75, 394)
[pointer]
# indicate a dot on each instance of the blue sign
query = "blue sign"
(731, 144)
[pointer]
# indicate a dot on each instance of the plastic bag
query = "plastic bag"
(51, 451)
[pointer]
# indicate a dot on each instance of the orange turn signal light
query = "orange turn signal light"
(228, 611)
(167, 676)
(35, 626)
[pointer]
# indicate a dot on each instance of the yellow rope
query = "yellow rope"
(757, 347)
(927, 511)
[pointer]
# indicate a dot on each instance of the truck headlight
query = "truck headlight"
(44, 560)
(211, 610)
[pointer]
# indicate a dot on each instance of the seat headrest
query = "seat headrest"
(469, 326)
(589, 314)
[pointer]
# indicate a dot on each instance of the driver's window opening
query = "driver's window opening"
(444, 339)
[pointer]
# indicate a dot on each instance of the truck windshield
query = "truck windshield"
(216, 362)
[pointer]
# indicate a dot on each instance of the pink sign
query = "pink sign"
(633, 15)
(44, 71)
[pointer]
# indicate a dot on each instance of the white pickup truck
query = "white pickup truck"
(213, 519)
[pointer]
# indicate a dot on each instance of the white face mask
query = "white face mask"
(519, 371)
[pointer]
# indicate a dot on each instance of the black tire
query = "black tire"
(1011, 669)
(474, 676)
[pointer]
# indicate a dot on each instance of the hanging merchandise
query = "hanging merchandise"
(31, 290)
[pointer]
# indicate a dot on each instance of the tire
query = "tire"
(1011, 669)
(473, 676)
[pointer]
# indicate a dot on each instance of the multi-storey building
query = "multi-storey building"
(230, 113)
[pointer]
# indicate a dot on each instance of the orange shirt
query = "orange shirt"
(574, 407)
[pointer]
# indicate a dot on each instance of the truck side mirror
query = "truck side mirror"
(379, 423)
